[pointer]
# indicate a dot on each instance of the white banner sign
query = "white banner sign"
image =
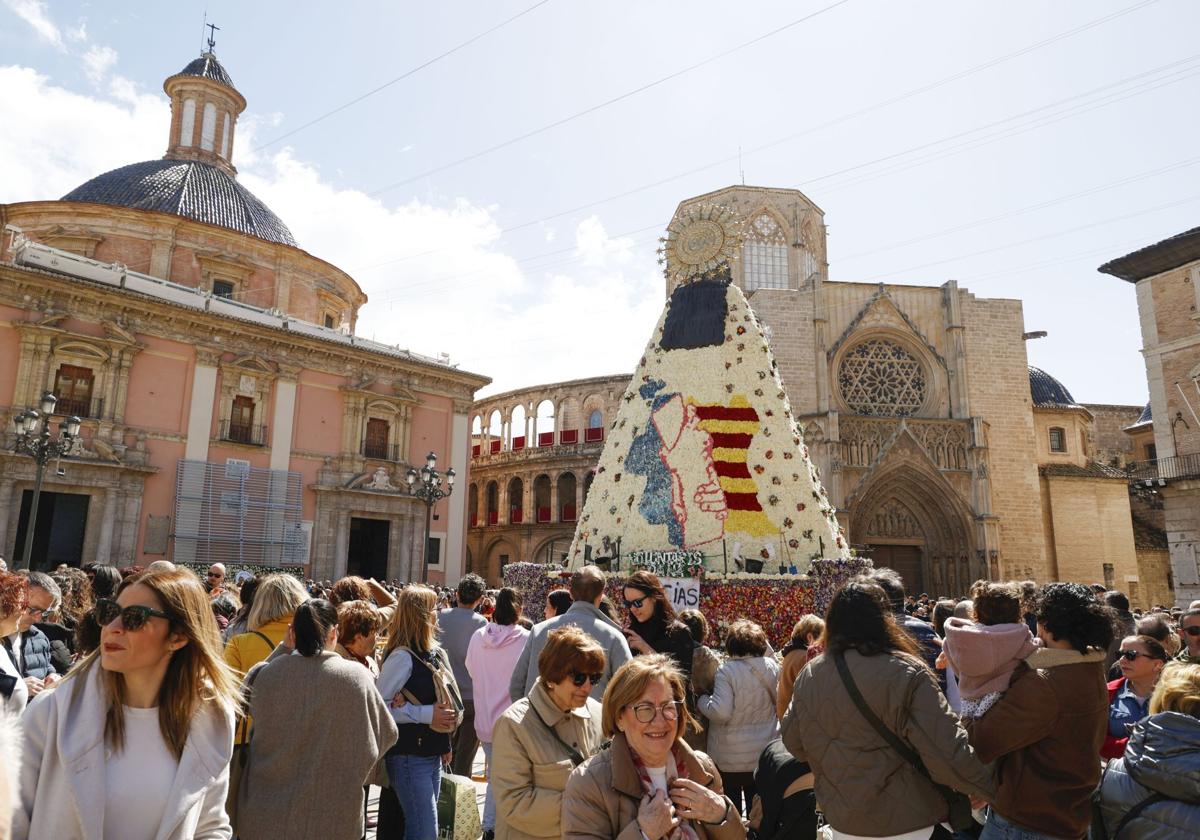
(683, 592)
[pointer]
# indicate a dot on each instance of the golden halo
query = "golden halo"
(700, 241)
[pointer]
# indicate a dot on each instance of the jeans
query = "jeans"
(417, 780)
(489, 802)
(998, 828)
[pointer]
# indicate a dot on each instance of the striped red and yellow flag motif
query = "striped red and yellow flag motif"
(732, 428)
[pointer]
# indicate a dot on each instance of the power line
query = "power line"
(592, 109)
(403, 76)
(796, 135)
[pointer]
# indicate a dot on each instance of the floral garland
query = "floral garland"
(774, 602)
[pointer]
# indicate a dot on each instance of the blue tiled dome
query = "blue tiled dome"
(207, 67)
(191, 189)
(1047, 391)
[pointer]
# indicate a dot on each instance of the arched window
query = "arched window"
(493, 503)
(225, 137)
(596, 419)
(208, 127)
(566, 497)
(495, 432)
(880, 378)
(765, 254)
(594, 433)
(473, 505)
(1058, 439)
(516, 501)
(544, 423)
(187, 125)
(541, 498)
(516, 429)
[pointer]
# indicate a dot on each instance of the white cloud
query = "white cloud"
(78, 33)
(436, 270)
(98, 61)
(34, 13)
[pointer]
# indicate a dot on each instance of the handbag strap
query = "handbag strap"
(575, 755)
(771, 689)
(906, 752)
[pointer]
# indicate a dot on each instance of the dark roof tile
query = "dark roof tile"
(1048, 392)
(207, 67)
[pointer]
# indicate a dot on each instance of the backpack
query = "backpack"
(444, 686)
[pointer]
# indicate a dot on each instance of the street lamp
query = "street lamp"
(426, 485)
(33, 439)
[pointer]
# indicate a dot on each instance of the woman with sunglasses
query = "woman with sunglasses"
(1141, 660)
(649, 783)
(135, 742)
(652, 626)
(541, 738)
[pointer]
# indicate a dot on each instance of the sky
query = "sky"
(495, 175)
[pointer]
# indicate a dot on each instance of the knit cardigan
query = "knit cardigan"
(319, 728)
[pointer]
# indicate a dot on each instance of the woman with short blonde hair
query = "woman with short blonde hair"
(277, 597)
(542, 737)
(151, 713)
(1160, 757)
(649, 782)
(413, 663)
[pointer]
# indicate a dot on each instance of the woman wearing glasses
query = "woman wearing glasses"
(135, 741)
(652, 626)
(14, 592)
(541, 738)
(649, 783)
(1141, 660)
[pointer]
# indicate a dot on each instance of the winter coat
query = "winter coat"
(319, 729)
(863, 785)
(35, 654)
(672, 638)
(1044, 735)
(62, 768)
(602, 796)
(741, 712)
(492, 655)
(530, 766)
(1163, 757)
(984, 656)
(62, 645)
(588, 618)
(246, 650)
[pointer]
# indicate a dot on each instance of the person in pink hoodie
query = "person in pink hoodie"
(492, 656)
(985, 652)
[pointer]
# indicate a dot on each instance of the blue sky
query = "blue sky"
(1017, 179)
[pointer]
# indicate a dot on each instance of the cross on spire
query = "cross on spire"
(212, 31)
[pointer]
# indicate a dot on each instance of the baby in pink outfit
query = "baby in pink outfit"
(984, 653)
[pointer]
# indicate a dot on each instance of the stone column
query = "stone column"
(555, 513)
(6, 495)
(957, 357)
(199, 431)
(108, 517)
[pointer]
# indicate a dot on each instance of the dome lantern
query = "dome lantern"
(204, 110)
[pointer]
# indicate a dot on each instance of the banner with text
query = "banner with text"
(683, 592)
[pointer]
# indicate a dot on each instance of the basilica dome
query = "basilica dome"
(1048, 392)
(189, 188)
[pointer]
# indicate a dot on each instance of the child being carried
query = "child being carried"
(985, 652)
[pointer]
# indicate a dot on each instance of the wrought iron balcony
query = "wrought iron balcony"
(239, 433)
(84, 409)
(1162, 470)
(379, 451)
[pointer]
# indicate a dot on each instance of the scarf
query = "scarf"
(675, 770)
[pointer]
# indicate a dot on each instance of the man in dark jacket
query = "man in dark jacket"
(46, 596)
(921, 631)
(33, 658)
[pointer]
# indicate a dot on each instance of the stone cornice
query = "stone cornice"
(20, 286)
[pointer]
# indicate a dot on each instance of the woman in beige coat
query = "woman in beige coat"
(541, 738)
(649, 783)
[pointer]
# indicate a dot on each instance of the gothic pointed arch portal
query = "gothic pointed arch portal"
(914, 521)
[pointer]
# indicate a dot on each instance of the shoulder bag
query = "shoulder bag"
(959, 805)
(444, 687)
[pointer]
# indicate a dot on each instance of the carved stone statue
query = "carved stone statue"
(381, 480)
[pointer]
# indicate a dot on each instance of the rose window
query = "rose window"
(880, 377)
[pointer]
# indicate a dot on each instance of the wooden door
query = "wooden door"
(241, 419)
(905, 559)
(376, 445)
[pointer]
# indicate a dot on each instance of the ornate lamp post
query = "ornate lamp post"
(426, 485)
(33, 439)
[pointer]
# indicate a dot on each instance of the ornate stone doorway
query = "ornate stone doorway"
(368, 553)
(58, 535)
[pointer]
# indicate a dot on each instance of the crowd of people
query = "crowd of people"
(157, 703)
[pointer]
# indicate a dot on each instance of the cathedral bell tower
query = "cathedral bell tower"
(204, 110)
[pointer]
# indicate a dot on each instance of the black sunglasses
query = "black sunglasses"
(579, 679)
(637, 603)
(133, 618)
(1131, 655)
(1194, 630)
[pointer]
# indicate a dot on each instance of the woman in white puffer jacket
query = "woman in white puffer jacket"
(741, 710)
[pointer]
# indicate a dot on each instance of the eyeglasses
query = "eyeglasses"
(216, 574)
(1131, 655)
(1194, 630)
(636, 604)
(35, 611)
(133, 618)
(645, 712)
(579, 679)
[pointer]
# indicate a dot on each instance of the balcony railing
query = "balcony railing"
(83, 408)
(247, 434)
(379, 451)
(1175, 468)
